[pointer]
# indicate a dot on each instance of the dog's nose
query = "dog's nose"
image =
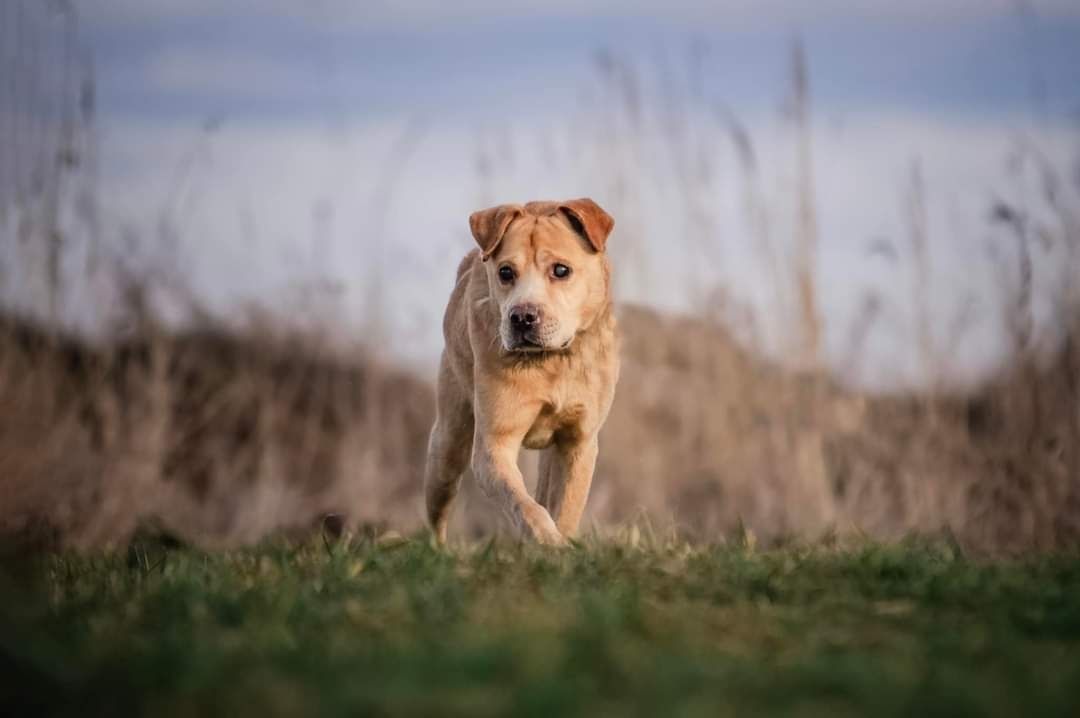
(525, 316)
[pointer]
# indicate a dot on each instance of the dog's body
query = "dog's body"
(531, 360)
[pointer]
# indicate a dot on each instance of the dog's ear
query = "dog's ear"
(589, 220)
(489, 225)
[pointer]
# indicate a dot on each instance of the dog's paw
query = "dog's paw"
(541, 528)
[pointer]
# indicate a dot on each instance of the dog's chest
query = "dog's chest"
(576, 395)
(550, 421)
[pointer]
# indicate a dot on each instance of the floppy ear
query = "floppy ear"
(591, 222)
(489, 225)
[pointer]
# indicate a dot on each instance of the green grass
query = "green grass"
(602, 629)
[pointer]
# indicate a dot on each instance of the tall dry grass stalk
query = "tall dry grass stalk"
(806, 241)
(44, 118)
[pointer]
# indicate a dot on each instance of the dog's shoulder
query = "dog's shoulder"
(467, 263)
(456, 321)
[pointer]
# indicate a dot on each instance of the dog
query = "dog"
(531, 360)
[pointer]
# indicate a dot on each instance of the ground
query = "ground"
(628, 627)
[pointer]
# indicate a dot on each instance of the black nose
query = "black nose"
(525, 316)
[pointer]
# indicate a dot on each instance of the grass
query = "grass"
(398, 628)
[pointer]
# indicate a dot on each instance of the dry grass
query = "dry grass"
(209, 435)
(222, 439)
(723, 440)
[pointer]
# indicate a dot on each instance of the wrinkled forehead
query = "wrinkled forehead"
(540, 238)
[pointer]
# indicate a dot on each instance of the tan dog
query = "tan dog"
(531, 360)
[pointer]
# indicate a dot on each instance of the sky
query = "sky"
(321, 158)
(274, 62)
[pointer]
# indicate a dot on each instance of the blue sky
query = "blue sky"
(269, 62)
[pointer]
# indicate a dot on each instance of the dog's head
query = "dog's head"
(546, 269)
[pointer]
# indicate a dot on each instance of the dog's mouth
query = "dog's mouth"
(525, 344)
(531, 345)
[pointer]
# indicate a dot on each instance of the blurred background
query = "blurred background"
(847, 256)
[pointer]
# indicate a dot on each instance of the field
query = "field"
(636, 626)
(839, 331)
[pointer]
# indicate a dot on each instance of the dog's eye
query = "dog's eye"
(506, 274)
(560, 271)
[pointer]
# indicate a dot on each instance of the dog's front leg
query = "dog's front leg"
(566, 472)
(496, 470)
